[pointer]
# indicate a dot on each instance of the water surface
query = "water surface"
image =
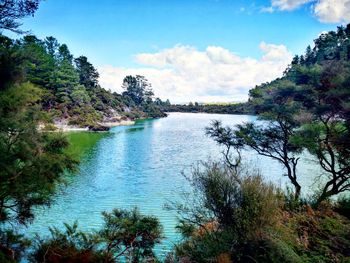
(142, 165)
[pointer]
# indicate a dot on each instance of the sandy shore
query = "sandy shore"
(117, 123)
(64, 127)
(67, 128)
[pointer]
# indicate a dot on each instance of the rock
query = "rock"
(98, 128)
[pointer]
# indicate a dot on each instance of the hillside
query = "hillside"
(322, 71)
(70, 93)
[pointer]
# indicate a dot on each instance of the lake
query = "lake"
(143, 165)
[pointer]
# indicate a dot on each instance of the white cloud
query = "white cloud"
(184, 73)
(268, 9)
(326, 11)
(288, 5)
(332, 11)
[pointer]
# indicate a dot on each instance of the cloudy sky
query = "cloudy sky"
(198, 50)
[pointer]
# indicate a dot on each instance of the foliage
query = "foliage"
(246, 220)
(31, 162)
(271, 140)
(88, 75)
(71, 245)
(313, 99)
(227, 210)
(138, 89)
(12, 245)
(343, 206)
(234, 108)
(13, 10)
(125, 235)
(130, 234)
(316, 235)
(69, 86)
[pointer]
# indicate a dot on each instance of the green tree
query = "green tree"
(315, 89)
(88, 75)
(138, 89)
(125, 235)
(39, 64)
(66, 78)
(52, 46)
(327, 136)
(130, 234)
(11, 11)
(31, 162)
(226, 214)
(79, 96)
(272, 138)
(11, 63)
(64, 54)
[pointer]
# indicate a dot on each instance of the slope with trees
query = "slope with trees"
(70, 91)
(306, 110)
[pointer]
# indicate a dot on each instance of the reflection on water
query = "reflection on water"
(141, 166)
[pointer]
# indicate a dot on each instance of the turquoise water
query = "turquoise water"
(142, 165)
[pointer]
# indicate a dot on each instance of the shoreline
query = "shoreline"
(63, 127)
(117, 123)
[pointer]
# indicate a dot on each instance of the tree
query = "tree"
(11, 63)
(69, 245)
(321, 94)
(88, 75)
(31, 162)
(138, 89)
(271, 139)
(327, 137)
(79, 96)
(225, 136)
(52, 46)
(126, 234)
(130, 234)
(64, 54)
(39, 64)
(226, 214)
(13, 10)
(66, 78)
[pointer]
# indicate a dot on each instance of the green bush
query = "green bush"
(125, 235)
(228, 210)
(343, 206)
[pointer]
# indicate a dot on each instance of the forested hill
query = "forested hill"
(310, 105)
(320, 78)
(325, 67)
(68, 87)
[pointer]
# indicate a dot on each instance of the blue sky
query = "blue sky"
(113, 34)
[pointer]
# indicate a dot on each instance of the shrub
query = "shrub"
(125, 235)
(228, 210)
(70, 245)
(343, 206)
(12, 245)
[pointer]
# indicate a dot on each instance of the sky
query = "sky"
(198, 50)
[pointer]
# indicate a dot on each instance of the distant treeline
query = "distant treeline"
(236, 108)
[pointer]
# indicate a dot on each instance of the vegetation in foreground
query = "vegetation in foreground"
(234, 216)
(125, 235)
